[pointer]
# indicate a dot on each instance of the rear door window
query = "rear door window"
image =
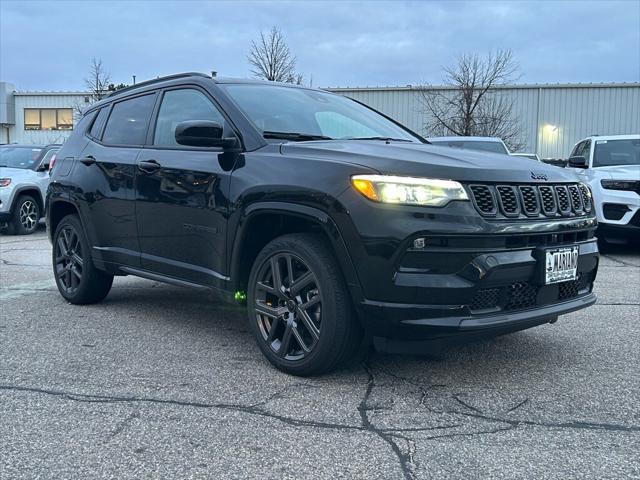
(128, 122)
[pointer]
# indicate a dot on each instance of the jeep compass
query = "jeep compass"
(329, 219)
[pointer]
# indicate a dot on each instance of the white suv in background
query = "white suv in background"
(611, 166)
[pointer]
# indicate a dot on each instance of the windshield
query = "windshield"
(310, 113)
(616, 152)
(495, 147)
(19, 157)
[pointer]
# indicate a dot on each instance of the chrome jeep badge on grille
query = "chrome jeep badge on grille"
(539, 176)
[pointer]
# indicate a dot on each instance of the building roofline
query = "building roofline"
(501, 87)
(43, 93)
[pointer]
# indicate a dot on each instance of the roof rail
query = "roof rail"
(158, 80)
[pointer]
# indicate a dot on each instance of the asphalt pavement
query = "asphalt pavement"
(163, 382)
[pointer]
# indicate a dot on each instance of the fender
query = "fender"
(319, 217)
(55, 198)
(24, 188)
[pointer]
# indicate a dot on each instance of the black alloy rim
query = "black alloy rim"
(288, 306)
(69, 260)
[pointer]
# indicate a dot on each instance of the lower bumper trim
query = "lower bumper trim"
(404, 322)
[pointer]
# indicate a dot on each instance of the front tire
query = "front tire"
(25, 217)
(299, 307)
(78, 280)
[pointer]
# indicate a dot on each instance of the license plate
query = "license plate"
(561, 265)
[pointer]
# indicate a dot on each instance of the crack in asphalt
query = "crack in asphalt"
(621, 262)
(13, 264)
(526, 400)
(479, 414)
(406, 461)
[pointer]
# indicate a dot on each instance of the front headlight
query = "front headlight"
(5, 182)
(408, 190)
(632, 185)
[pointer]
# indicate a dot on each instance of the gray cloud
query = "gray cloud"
(48, 45)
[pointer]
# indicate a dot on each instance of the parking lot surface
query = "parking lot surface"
(163, 382)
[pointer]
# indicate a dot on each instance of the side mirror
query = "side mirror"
(202, 133)
(577, 162)
(43, 167)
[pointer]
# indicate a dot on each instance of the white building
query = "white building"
(552, 117)
(38, 118)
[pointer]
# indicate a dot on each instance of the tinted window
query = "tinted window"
(274, 108)
(616, 152)
(19, 157)
(127, 124)
(586, 150)
(48, 155)
(180, 106)
(98, 123)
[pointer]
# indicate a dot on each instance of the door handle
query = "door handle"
(149, 166)
(88, 160)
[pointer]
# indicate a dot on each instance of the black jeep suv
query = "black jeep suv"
(329, 217)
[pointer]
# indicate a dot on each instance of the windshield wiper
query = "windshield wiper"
(386, 139)
(294, 136)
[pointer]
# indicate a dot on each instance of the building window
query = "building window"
(48, 118)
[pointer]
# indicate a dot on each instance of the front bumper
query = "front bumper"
(494, 292)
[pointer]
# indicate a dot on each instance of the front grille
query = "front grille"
(564, 207)
(508, 200)
(523, 295)
(586, 198)
(530, 203)
(576, 199)
(485, 299)
(483, 199)
(548, 200)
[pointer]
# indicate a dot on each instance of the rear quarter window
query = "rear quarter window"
(98, 123)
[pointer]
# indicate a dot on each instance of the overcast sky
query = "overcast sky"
(49, 45)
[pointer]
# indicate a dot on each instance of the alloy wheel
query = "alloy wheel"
(288, 306)
(28, 215)
(69, 259)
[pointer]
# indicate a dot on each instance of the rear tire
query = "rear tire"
(77, 278)
(25, 216)
(305, 326)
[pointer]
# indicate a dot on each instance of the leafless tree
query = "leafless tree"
(98, 80)
(271, 59)
(472, 105)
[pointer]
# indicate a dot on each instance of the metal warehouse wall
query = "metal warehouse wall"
(42, 100)
(553, 117)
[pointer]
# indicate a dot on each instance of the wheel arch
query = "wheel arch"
(57, 210)
(274, 219)
(31, 190)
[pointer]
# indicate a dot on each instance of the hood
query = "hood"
(619, 172)
(15, 173)
(424, 160)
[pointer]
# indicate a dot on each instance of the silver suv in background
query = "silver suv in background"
(24, 177)
(611, 166)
